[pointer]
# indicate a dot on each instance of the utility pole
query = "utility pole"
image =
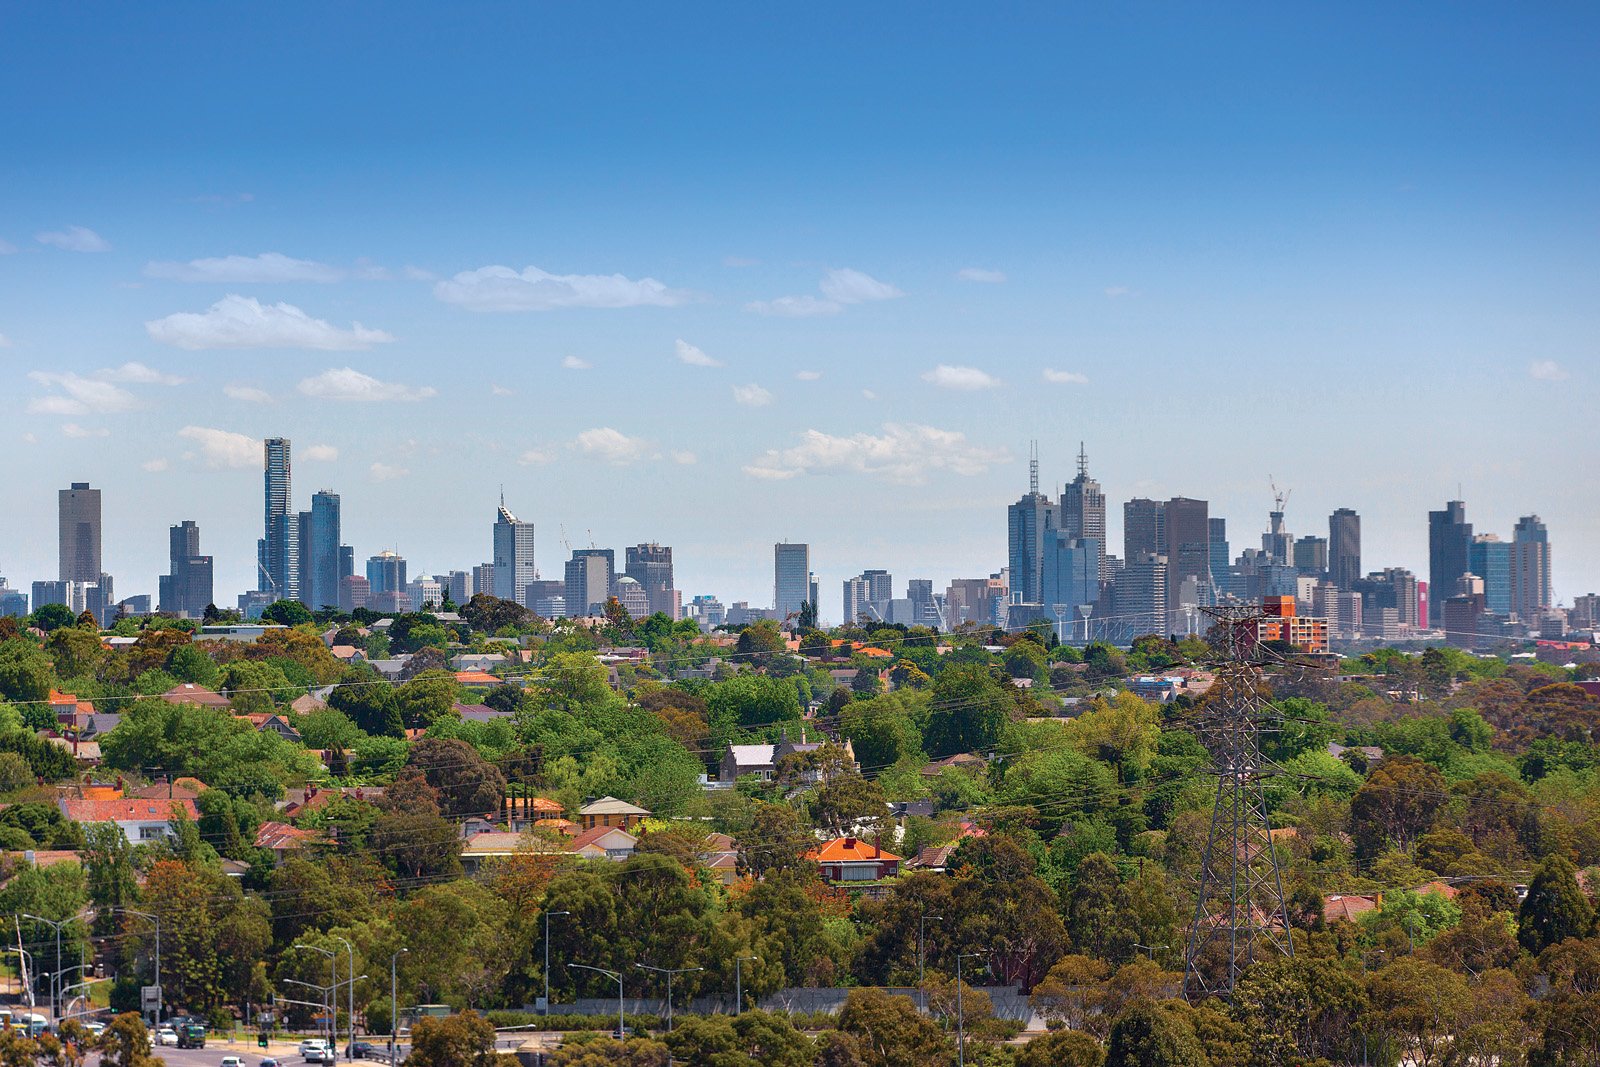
(669, 972)
(156, 919)
(547, 956)
(394, 1008)
(922, 990)
(961, 1016)
(55, 978)
(738, 983)
(350, 1000)
(1240, 902)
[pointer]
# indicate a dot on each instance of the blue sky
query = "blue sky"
(1347, 247)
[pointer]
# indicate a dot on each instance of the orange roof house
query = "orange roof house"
(139, 819)
(850, 859)
(189, 693)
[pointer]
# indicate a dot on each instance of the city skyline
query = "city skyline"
(844, 313)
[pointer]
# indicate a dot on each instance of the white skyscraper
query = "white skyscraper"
(513, 555)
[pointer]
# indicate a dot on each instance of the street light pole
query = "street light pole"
(27, 968)
(332, 994)
(922, 991)
(55, 978)
(157, 920)
(669, 972)
(961, 1019)
(547, 956)
(394, 1008)
(738, 983)
(350, 1000)
(615, 975)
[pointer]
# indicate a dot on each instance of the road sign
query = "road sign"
(149, 996)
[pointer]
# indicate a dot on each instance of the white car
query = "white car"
(313, 1044)
(167, 1036)
(231, 1061)
(95, 1028)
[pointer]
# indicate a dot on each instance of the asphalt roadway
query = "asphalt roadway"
(288, 1055)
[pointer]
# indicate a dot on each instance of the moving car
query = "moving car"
(268, 1062)
(191, 1035)
(323, 1056)
(231, 1061)
(362, 1050)
(310, 1043)
(167, 1037)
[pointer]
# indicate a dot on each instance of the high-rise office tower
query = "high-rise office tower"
(319, 551)
(513, 555)
(1071, 576)
(1490, 559)
(1139, 594)
(483, 579)
(1083, 509)
(791, 578)
(589, 581)
(1344, 548)
(1449, 544)
(1187, 529)
(277, 555)
(651, 566)
(386, 573)
(1277, 544)
(1144, 528)
(1530, 569)
(459, 585)
(79, 533)
(187, 590)
(880, 586)
(856, 600)
(1311, 556)
(1221, 559)
(1030, 523)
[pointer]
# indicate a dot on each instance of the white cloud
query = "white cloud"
(682, 457)
(498, 288)
(868, 394)
(1114, 291)
(846, 286)
(155, 466)
(1547, 370)
(575, 363)
(347, 383)
(244, 322)
(688, 353)
(137, 372)
(384, 472)
(265, 269)
(807, 375)
(967, 378)
(223, 448)
(978, 274)
(74, 239)
(319, 454)
(536, 457)
(1065, 377)
(751, 396)
(72, 429)
(904, 454)
(247, 393)
(500, 390)
(613, 446)
(795, 307)
(79, 395)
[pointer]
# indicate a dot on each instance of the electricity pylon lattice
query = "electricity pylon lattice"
(1240, 906)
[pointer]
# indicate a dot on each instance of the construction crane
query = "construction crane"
(1280, 497)
(564, 542)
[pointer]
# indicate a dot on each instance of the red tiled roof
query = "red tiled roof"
(1346, 907)
(189, 693)
(280, 835)
(848, 849)
(590, 836)
(123, 809)
(476, 678)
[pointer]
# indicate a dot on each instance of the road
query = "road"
(287, 1053)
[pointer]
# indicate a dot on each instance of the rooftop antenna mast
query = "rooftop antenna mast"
(1083, 461)
(1240, 904)
(1033, 467)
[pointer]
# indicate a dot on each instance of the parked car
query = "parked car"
(231, 1061)
(95, 1028)
(312, 1043)
(167, 1037)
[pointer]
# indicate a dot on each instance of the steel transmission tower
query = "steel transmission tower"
(1240, 905)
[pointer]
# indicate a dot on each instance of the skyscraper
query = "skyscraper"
(1083, 509)
(277, 555)
(187, 591)
(1490, 559)
(589, 581)
(386, 573)
(1530, 569)
(79, 533)
(1221, 560)
(514, 567)
(791, 578)
(1344, 548)
(1030, 523)
(1187, 529)
(651, 566)
(1071, 576)
(320, 567)
(1144, 528)
(856, 600)
(1449, 543)
(1311, 556)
